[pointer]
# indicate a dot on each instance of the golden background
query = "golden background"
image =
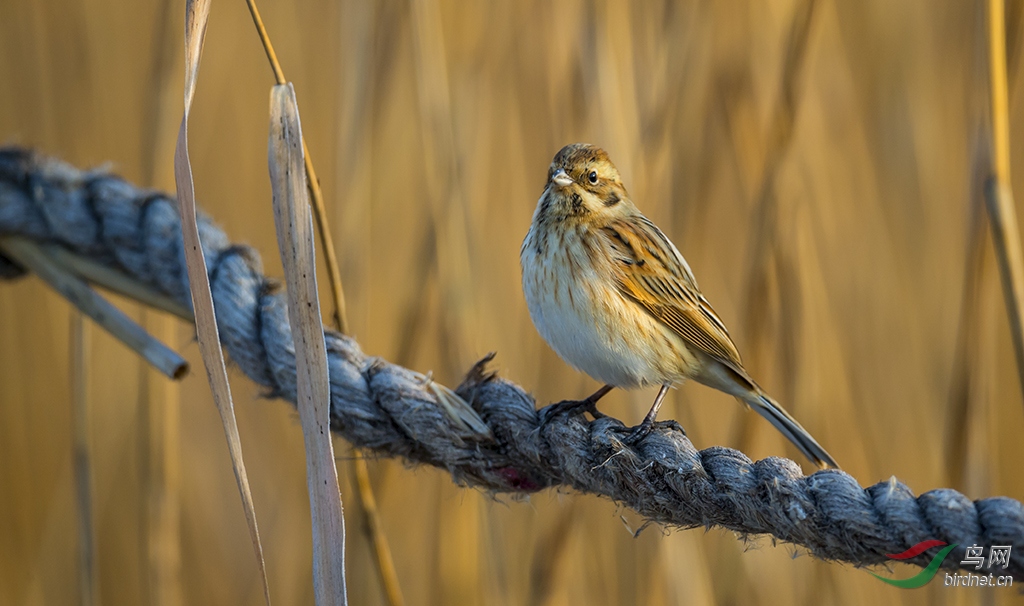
(839, 144)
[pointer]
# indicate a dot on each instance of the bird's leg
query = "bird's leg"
(642, 430)
(567, 406)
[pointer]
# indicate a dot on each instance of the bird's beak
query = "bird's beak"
(561, 179)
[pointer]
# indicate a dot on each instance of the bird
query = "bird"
(614, 298)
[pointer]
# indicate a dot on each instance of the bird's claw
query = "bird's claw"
(641, 431)
(569, 407)
(671, 424)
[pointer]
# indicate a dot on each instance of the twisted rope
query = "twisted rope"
(395, 412)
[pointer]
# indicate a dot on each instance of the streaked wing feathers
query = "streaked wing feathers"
(650, 271)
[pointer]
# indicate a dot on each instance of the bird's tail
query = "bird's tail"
(794, 432)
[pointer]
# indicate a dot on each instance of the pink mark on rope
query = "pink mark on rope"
(517, 480)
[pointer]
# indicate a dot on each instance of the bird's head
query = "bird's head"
(583, 183)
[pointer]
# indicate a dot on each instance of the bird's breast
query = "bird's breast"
(570, 290)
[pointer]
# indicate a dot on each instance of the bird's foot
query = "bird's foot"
(636, 434)
(569, 407)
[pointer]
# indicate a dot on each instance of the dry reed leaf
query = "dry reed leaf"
(197, 13)
(103, 312)
(459, 410)
(294, 221)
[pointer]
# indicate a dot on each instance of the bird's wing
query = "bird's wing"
(650, 271)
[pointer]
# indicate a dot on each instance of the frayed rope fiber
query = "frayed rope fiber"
(395, 412)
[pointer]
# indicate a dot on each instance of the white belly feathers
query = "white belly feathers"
(619, 347)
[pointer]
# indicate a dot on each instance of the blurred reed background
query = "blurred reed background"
(818, 163)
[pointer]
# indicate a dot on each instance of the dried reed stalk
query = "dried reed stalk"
(457, 547)
(197, 14)
(160, 436)
(444, 194)
(549, 555)
(766, 265)
(998, 194)
(159, 402)
(763, 253)
(337, 292)
(88, 579)
(972, 341)
(384, 563)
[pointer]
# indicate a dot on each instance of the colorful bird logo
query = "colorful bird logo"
(922, 578)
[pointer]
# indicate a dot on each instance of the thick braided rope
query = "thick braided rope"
(395, 413)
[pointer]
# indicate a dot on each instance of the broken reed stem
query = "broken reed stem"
(77, 292)
(115, 281)
(88, 582)
(998, 194)
(384, 563)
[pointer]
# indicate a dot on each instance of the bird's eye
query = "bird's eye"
(593, 177)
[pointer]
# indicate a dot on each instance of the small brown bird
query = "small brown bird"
(615, 299)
